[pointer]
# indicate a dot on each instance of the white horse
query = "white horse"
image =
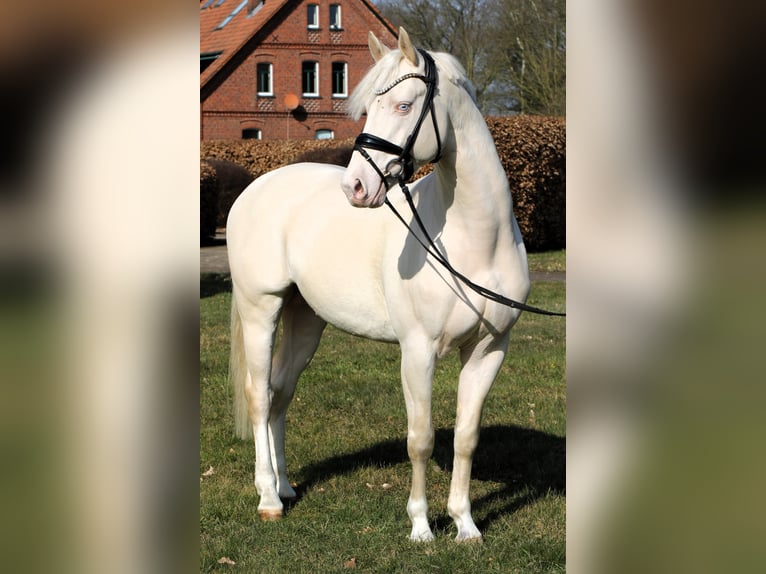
(298, 251)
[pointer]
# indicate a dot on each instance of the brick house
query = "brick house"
(283, 69)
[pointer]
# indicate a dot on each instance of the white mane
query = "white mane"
(386, 70)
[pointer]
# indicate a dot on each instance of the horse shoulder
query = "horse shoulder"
(263, 219)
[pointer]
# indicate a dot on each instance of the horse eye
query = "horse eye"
(403, 107)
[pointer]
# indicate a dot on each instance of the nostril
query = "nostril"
(358, 189)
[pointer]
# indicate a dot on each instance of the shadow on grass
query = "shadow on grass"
(213, 283)
(529, 464)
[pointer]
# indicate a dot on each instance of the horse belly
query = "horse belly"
(344, 293)
(350, 315)
(334, 254)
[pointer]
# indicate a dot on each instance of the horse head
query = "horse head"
(404, 125)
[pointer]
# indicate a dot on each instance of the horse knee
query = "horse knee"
(420, 444)
(465, 442)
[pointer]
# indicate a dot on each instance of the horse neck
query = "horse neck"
(471, 173)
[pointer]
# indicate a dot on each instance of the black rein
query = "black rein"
(402, 167)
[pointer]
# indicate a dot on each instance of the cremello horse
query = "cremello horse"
(299, 251)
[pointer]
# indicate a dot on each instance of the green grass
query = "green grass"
(548, 261)
(346, 439)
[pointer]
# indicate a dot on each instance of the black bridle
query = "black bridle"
(400, 169)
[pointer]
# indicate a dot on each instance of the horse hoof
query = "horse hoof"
(469, 538)
(269, 515)
(425, 536)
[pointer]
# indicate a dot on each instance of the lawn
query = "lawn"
(347, 454)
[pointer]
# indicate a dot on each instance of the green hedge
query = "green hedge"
(531, 148)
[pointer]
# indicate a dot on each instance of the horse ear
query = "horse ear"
(377, 49)
(405, 45)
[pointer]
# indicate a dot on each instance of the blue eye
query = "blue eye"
(403, 107)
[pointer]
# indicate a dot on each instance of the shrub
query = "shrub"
(208, 200)
(532, 150)
(333, 155)
(259, 157)
(232, 180)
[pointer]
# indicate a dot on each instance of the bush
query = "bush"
(332, 155)
(232, 180)
(259, 157)
(532, 150)
(208, 200)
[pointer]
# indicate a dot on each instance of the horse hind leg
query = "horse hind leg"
(301, 332)
(259, 317)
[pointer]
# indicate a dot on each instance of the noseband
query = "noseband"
(401, 168)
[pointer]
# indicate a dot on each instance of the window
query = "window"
(339, 83)
(251, 134)
(253, 10)
(313, 16)
(335, 17)
(310, 73)
(264, 75)
(206, 59)
(325, 135)
(233, 13)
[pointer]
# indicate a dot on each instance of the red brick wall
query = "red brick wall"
(235, 104)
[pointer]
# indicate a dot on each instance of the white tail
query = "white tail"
(238, 374)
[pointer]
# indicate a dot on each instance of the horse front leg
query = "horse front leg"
(481, 363)
(418, 361)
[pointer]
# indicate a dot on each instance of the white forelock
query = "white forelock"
(386, 70)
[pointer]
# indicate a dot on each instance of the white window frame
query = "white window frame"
(270, 91)
(312, 16)
(315, 93)
(344, 93)
(326, 133)
(336, 24)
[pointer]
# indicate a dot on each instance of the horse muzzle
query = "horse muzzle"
(358, 195)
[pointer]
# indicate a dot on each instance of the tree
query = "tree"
(533, 50)
(513, 50)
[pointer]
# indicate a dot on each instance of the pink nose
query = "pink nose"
(359, 191)
(355, 192)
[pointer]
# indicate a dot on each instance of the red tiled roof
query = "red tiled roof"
(234, 35)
